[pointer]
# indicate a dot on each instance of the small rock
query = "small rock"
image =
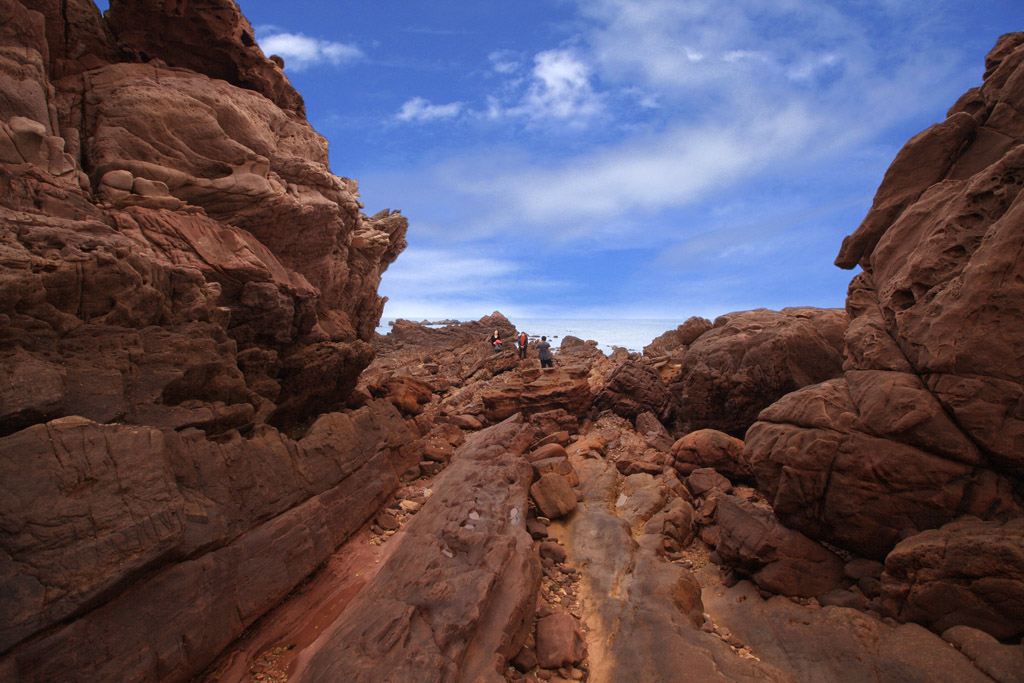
(525, 660)
(537, 529)
(387, 521)
(552, 551)
(553, 495)
(559, 641)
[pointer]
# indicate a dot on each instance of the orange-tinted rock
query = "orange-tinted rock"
(454, 599)
(210, 37)
(115, 508)
(155, 319)
(553, 495)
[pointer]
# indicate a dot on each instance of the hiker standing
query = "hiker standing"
(522, 346)
(544, 353)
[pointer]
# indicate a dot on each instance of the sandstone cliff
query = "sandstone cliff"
(181, 274)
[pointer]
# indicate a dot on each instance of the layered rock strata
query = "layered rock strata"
(455, 600)
(186, 293)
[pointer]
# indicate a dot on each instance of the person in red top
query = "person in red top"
(522, 346)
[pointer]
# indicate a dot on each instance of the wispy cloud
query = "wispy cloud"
(504, 61)
(628, 130)
(301, 51)
(419, 109)
(459, 281)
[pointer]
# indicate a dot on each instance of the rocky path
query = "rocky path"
(484, 572)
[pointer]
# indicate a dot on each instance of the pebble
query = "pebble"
(410, 506)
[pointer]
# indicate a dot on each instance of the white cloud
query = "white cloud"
(419, 109)
(650, 173)
(301, 51)
(435, 271)
(558, 89)
(561, 88)
(504, 61)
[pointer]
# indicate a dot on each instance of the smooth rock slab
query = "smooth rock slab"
(454, 598)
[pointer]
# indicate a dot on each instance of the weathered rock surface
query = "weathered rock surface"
(967, 573)
(832, 643)
(634, 388)
(710, 448)
(178, 536)
(676, 342)
(453, 600)
(925, 424)
(750, 359)
(638, 604)
(181, 276)
(777, 559)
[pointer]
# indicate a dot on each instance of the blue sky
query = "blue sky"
(623, 158)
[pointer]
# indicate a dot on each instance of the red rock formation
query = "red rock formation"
(633, 388)
(925, 425)
(453, 601)
(968, 572)
(676, 342)
(777, 559)
(749, 359)
(124, 539)
(155, 321)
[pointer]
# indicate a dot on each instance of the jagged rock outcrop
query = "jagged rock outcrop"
(676, 342)
(729, 373)
(181, 277)
(925, 425)
(176, 535)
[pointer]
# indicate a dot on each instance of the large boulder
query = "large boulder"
(925, 424)
(777, 559)
(634, 388)
(750, 359)
(967, 573)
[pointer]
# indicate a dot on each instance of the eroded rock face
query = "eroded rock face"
(750, 359)
(191, 174)
(181, 274)
(452, 601)
(101, 505)
(925, 425)
(967, 573)
(777, 559)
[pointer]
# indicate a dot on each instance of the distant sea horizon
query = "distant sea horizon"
(632, 334)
